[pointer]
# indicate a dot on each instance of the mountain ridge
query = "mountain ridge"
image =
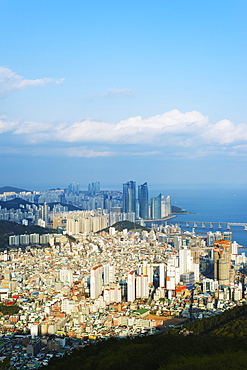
(9, 189)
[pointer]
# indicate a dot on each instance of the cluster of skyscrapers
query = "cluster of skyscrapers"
(160, 206)
(43, 207)
(93, 188)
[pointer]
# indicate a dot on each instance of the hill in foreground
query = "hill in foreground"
(199, 345)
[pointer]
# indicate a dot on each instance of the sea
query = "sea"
(210, 203)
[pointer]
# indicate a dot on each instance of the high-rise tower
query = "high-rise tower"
(96, 281)
(44, 213)
(156, 207)
(131, 287)
(165, 206)
(143, 200)
(129, 197)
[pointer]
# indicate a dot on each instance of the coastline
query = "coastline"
(173, 215)
(183, 213)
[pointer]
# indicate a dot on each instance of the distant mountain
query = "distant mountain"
(16, 202)
(11, 189)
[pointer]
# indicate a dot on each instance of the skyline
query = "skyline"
(123, 91)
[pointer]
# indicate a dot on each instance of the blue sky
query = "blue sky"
(113, 91)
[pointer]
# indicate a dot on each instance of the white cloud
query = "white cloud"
(6, 126)
(239, 151)
(241, 147)
(52, 151)
(85, 152)
(165, 133)
(225, 132)
(59, 81)
(114, 92)
(32, 128)
(10, 81)
(134, 129)
(119, 92)
(153, 152)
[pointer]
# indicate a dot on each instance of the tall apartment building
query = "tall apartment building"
(109, 273)
(142, 289)
(73, 188)
(96, 281)
(185, 260)
(93, 188)
(131, 286)
(156, 207)
(162, 270)
(222, 258)
(44, 213)
(112, 294)
(165, 206)
(143, 200)
(129, 197)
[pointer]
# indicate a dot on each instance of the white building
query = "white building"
(66, 276)
(170, 277)
(112, 294)
(162, 275)
(209, 285)
(142, 290)
(234, 248)
(131, 286)
(34, 238)
(96, 281)
(185, 260)
(109, 273)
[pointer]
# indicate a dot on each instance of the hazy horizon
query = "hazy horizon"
(152, 187)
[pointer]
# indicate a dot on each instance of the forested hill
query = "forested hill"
(178, 210)
(210, 344)
(14, 203)
(130, 226)
(8, 228)
(11, 228)
(231, 323)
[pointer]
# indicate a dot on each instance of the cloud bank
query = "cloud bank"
(189, 134)
(134, 130)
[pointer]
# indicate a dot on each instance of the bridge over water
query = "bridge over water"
(209, 224)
